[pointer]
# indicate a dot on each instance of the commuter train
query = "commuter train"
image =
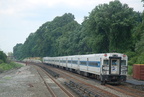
(107, 67)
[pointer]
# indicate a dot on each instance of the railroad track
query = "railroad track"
(54, 88)
(91, 87)
(127, 90)
(98, 90)
(88, 87)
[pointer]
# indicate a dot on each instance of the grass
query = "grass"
(8, 66)
(2, 82)
(7, 77)
(130, 70)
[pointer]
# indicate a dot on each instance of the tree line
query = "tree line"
(3, 57)
(113, 27)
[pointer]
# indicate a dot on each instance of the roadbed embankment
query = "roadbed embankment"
(23, 82)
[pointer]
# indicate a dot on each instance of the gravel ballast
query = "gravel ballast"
(23, 82)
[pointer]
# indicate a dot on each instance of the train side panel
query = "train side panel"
(109, 67)
(94, 65)
(83, 64)
(69, 62)
(75, 63)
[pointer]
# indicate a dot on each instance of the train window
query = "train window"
(64, 61)
(69, 61)
(83, 63)
(123, 62)
(114, 62)
(74, 62)
(95, 64)
(105, 62)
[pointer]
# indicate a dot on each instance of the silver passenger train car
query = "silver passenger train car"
(107, 67)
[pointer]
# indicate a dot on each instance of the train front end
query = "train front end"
(114, 68)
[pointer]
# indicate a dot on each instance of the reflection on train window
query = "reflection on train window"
(114, 62)
(106, 62)
(94, 64)
(69, 61)
(64, 61)
(74, 62)
(123, 62)
(57, 60)
(83, 63)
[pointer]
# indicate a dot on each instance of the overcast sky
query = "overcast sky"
(19, 18)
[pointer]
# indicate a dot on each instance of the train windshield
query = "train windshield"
(105, 62)
(123, 62)
(115, 64)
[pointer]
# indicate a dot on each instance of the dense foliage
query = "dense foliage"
(8, 66)
(3, 57)
(5, 64)
(109, 27)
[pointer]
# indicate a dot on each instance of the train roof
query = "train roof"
(90, 55)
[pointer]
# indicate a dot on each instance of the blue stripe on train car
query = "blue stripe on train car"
(83, 63)
(94, 63)
(90, 63)
(86, 63)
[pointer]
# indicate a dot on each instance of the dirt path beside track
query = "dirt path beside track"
(23, 82)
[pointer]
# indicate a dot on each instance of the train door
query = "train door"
(115, 66)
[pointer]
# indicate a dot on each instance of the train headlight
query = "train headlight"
(124, 55)
(105, 55)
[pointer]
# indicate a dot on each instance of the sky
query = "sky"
(19, 18)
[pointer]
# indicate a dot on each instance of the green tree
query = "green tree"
(111, 25)
(136, 57)
(51, 39)
(3, 57)
(17, 51)
(108, 27)
(140, 42)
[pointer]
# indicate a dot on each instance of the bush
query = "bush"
(132, 60)
(1, 70)
(130, 70)
(3, 56)
(1, 61)
(140, 59)
(5, 66)
(16, 65)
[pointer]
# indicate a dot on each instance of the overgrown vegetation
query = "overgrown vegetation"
(109, 27)
(6, 64)
(3, 57)
(130, 70)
